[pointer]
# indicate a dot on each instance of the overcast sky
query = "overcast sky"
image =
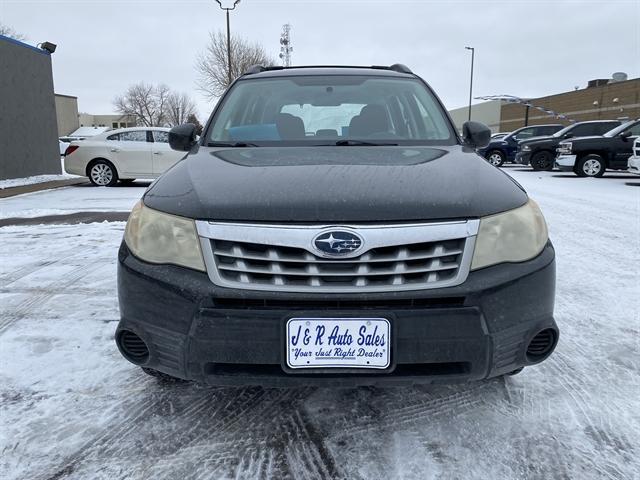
(524, 48)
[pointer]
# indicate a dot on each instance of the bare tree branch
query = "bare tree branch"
(154, 105)
(180, 107)
(211, 64)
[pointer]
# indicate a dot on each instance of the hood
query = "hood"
(334, 184)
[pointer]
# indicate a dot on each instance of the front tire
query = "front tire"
(542, 161)
(590, 166)
(102, 173)
(495, 158)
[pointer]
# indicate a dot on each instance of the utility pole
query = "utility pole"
(285, 45)
(473, 52)
(228, 9)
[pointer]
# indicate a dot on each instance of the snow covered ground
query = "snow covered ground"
(81, 198)
(20, 182)
(72, 408)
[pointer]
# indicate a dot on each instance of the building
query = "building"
(111, 121)
(28, 125)
(486, 112)
(602, 99)
(66, 114)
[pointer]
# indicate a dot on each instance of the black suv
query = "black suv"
(504, 149)
(591, 156)
(331, 228)
(541, 152)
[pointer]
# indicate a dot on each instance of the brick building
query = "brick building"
(601, 100)
(604, 101)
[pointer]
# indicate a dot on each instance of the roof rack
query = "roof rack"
(396, 67)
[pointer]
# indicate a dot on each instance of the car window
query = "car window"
(584, 130)
(115, 137)
(134, 136)
(160, 137)
(319, 110)
(549, 130)
(635, 130)
(525, 133)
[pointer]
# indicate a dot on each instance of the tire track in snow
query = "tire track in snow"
(462, 399)
(24, 308)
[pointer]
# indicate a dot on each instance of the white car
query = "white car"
(124, 154)
(634, 160)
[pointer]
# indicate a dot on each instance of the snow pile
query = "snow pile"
(21, 182)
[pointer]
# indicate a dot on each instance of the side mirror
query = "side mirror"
(182, 137)
(568, 135)
(476, 134)
(624, 135)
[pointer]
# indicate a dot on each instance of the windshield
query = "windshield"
(330, 110)
(618, 129)
(561, 133)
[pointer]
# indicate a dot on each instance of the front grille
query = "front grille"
(282, 258)
(270, 265)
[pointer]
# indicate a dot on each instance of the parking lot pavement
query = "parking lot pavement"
(72, 408)
(80, 198)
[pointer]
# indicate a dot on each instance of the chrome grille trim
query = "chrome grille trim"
(281, 258)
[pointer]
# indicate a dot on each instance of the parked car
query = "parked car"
(634, 160)
(387, 252)
(540, 153)
(591, 156)
(501, 150)
(124, 154)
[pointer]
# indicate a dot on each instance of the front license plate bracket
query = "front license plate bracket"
(331, 343)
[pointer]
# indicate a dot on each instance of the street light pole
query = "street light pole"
(228, 9)
(473, 51)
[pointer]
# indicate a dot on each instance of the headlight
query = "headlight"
(158, 237)
(514, 236)
(566, 147)
(526, 148)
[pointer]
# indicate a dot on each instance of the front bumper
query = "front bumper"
(198, 331)
(634, 165)
(523, 158)
(565, 162)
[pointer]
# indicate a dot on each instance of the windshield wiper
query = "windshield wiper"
(231, 144)
(359, 143)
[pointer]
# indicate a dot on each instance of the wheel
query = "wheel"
(515, 372)
(103, 174)
(542, 161)
(163, 377)
(590, 166)
(495, 158)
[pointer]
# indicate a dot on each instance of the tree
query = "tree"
(180, 107)
(193, 119)
(7, 31)
(211, 64)
(148, 102)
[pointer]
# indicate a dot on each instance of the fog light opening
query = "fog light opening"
(133, 347)
(541, 345)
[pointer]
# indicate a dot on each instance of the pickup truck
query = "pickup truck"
(540, 152)
(592, 156)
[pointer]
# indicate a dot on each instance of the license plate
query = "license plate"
(338, 343)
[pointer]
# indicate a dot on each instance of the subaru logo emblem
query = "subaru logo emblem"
(337, 243)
